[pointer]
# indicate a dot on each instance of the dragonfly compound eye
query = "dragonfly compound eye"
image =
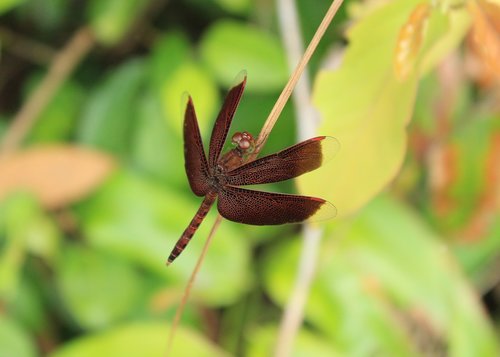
(237, 138)
(244, 144)
(247, 142)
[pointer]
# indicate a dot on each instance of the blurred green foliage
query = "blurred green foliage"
(408, 268)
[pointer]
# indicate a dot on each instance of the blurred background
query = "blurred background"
(93, 193)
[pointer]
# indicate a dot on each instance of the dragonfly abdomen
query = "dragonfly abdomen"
(183, 241)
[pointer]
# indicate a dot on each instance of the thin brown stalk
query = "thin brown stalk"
(189, 286)
(63, 64)
(287, 91)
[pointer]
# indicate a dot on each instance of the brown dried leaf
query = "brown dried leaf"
(57, 175)
(486, 211)
(410, 40)
(484, 40)
(443, 166)
(491, 10)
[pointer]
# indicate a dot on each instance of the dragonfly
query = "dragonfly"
(220, 177)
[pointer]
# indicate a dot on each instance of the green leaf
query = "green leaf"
(263, 343)
(142, 222)
(367, 109)
(235, 6)
(479, 258)
(45, 16)
(446, 32)
(25, 228)
(192, 78)
(173, 72)
(12, 256)
(97, 289)
(110, 111)
(57, 121)
(169, 53)
(384, 280)
(112, 19)
(147, 339)
(43, 237)
(228, 47)
(471, 145)
(156, 149)
(28, 306)
(3, 123)
(13, 340)
(6, 5)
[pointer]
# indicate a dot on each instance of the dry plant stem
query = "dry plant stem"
(294, 311)
(308, 121)
(62, 66)
(189, 286)
(287, 91)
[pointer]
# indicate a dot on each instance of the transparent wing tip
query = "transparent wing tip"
(330, 147)
(241, 77)
(185, 99)
(325, 212)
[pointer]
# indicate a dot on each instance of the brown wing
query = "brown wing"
(194, 156)
(223, 122)
(266, 208)
(286, 164)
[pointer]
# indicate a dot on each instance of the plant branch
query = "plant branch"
(287, 91)
(189, 286)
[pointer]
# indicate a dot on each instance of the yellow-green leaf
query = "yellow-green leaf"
(147, 339)
(14, 340)
(235, 6)
(366, 107)
(191, 78)
(6, 5)
(111, 19)
(229, 47)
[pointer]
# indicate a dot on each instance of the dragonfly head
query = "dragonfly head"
(244, 142)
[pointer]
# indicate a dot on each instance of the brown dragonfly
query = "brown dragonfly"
(220, 176)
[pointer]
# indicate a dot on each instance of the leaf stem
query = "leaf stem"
(189, 286)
